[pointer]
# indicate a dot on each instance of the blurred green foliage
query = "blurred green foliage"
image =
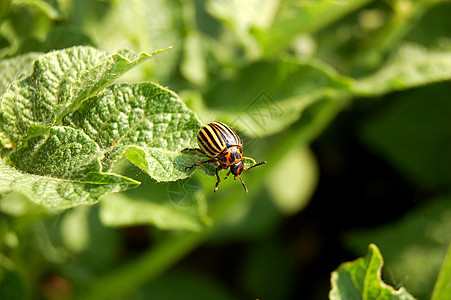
(280, 72)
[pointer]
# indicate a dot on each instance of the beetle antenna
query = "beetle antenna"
(242, 182)
(256, 165)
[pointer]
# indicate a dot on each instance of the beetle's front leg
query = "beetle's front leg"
(193, 149)
(217, 177)
(201, 163)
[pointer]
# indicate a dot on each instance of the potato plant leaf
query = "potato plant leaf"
(415, 244)
(61, 193)
(442, 289)
(65, 153)
(361, 279)
(14, 68)
(411, 67)
(60, 81)
(65, 129)
(146, 123)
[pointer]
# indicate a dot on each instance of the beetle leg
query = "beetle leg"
(228, 173)
(242, 182)
(201, 163)
(217, 178)
(193, 149)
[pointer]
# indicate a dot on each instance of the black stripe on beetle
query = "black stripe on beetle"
(209, 141)
(229, 136)
(206, 147)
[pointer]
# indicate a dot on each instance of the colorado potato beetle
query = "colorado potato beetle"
(219, 142)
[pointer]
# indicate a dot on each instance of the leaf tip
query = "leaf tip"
(161, 50)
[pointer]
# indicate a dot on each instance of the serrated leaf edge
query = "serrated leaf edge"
(373, 253)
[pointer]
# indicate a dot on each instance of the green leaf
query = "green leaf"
(361, 279)
(415, 244)
(60, 81)
(411, 67)
(65, 153)
(63, 171)
(10, 70)
(442, 289)
(14, 68)
(146, 123)
(60, 193)
(267, 97)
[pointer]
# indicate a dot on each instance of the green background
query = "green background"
(347, 101)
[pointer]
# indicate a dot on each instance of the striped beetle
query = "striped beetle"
(219, 142)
